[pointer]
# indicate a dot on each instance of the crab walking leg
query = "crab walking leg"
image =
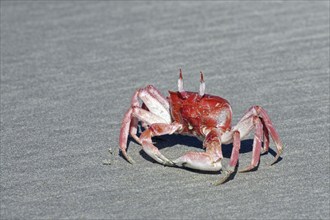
(210, 160)
(134, 121)
(152, 97)
(157, 129)
(141, 114)
(133, 129)
(144, 124)
(256, 145)
(266, 139)
(153, 91)
(246, 124)
(154, 105)
(235, 152)
(271, 129)
(128, 125)
(123, 136)
(233, 158)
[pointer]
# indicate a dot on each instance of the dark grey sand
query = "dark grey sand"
(68, 70)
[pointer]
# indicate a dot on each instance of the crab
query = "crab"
(204, 116)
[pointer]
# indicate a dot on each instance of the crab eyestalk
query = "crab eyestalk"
(202, 85)
(180, 86)
(180, 82)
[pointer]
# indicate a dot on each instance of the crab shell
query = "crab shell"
(196, 114)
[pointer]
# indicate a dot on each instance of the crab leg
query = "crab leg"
(141, 114)
(266, 139)
(134, 121)
(256, 145)
(123, 136)
(258, 118)
(159, 113)
(128, 125)
(271, 129)
(133, 129)
(235, 152)
(157, 129)
(135, 103)
(157, 95)
(233, 158)
(210, 160)
(144, 124)
(154, 105)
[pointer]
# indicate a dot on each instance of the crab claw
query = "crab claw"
(158, 129)
(155, 154)
(199, 161)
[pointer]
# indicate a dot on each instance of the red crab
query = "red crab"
(207, 117)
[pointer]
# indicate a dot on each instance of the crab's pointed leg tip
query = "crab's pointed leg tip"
(170, 164)
(130, 160)
(247, 169)
(263, 151)
(220, 181)
(277, 158)
(202, 77)
(163, 160)
(224, 179)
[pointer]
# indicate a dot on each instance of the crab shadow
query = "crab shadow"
(190, 141)
(174, 140)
